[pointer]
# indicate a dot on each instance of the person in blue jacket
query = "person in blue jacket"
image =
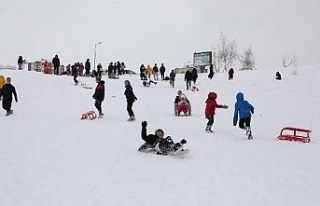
(243, 109)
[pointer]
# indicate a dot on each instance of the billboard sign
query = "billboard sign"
(202, 58)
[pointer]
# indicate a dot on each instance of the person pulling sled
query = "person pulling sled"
(157, 143)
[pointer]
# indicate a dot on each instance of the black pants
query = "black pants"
(56, 70)
(244, 122)
(188, 82)
(75, 79)
(6, 104)
(210, 120)
(97, 104)
(129, 108)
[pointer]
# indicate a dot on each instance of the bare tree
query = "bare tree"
(247, 60)
(289, 63)
(227, 52)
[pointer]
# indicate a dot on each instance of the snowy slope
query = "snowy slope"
(48, 156)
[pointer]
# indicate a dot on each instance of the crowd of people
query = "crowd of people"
(149, 75)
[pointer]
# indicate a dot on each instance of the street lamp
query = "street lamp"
(95, 54)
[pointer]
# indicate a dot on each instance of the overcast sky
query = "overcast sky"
(149, 31)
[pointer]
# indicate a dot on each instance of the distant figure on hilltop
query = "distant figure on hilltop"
(162, 71)
(56, 64)
(7, 91)
(211, 72)
(143, 75)
(172, 78)
(188, 78)
(2, 82)
(278, 76)
(87, 67)
(20, 63)
(230, 73)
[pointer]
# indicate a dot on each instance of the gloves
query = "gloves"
(16, 100)
(183, 141)
(225, 106)
(144, 124)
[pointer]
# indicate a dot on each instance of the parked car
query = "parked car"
(127, 71)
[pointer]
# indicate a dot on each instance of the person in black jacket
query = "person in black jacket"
(75, 72)
(7, 91)
(130, 99)
(99, 96)
(20, 63)
(188, 78)
(56, 64)
(157, 142)
(87, 67)
(162, 71)
(211, 72)
(194, 75)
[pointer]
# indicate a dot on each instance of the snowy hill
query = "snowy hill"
(48, 156)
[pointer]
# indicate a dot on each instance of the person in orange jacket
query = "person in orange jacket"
(2, 82)
(149, 71)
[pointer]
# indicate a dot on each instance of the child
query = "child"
(244, 109)
(211, 106)
(130, 99)
(182, 103)
(7, 91)
(162, 146)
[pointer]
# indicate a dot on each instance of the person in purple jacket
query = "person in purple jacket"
(243, 109)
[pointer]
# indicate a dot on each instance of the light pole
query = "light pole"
(95, 54)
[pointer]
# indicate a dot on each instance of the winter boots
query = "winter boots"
(9, 112)
(249, 133)
(131, 119)
(208, 129)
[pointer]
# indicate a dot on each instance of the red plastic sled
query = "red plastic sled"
(295, 134)
(91, 115)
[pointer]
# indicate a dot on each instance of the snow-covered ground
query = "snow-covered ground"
(48, 156)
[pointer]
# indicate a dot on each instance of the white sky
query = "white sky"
(148, 31)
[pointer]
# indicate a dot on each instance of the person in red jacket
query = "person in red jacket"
(211, 106)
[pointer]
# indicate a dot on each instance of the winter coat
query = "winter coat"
(20, 60)
(162, 69)
(231, 72)
(172, 76)
(155, 68)
(194, 73)
(149, 70)
(2, 81)
(188, 76)
(74, 70)
(56, 61)
(211, 104)
(150, 139)
(87, 65)
(99, 92)
(129, 94)
(242, 108)
(7, 91)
